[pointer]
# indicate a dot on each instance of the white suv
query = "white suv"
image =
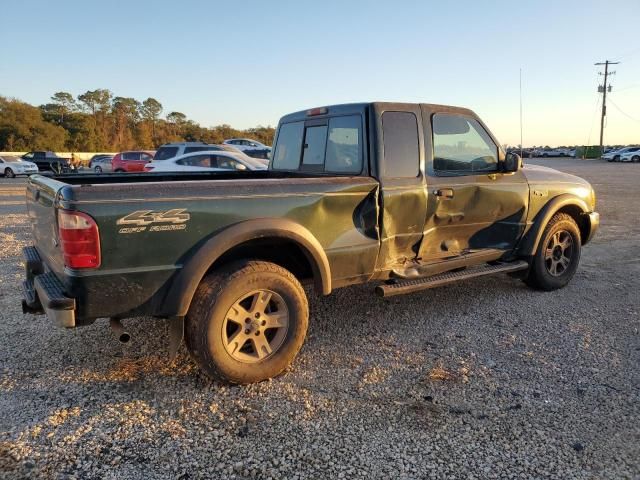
(177, 149)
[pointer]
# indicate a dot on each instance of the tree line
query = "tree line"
(98, 121)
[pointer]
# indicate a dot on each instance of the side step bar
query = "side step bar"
(409, 286)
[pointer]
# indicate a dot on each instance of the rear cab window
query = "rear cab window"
(332, 145)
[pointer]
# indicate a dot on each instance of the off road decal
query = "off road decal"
(138, 221)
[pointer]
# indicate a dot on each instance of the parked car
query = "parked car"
(206, 161)
(132, 161)
(48, 161)
(616, 155)
(408, 196)
(11, 166)
(101, 163)
(524, 153)
(631, 155)
(246, 144)
(553, 152)
(177, 149)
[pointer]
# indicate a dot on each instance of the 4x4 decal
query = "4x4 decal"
(138, 221)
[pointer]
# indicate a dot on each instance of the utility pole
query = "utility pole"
(603, 89)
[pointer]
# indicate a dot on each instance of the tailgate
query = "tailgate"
(41, 207)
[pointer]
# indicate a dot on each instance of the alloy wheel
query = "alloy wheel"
(559, 253)
(255, 326)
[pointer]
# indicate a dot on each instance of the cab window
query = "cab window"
(315, 142)
(401, 147)
(344, 154)
(461, 146)
(287, 152)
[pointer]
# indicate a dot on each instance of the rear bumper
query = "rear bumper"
(43, 292)
(593, 219)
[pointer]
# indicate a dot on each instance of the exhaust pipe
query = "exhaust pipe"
(119, 331)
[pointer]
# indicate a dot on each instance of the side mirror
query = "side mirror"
(512, 163)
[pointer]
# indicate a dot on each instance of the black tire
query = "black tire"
(616, 158)
(635, 158)
(540, 275)
(8, 173)
(98, 169)
(206, 325)
(119, 170)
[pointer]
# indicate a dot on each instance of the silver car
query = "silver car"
(11, 166)
(101, 163)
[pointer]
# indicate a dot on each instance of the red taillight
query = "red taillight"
(79, 239)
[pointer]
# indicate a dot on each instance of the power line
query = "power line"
(624, 113)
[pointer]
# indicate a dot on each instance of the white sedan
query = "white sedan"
(11, 166)
(246, 144)
(213, 161)
(631, 155)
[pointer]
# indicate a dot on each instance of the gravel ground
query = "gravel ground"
(484, 379)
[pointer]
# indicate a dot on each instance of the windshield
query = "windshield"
(11, 158)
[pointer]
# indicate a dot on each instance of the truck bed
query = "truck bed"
(143, 251)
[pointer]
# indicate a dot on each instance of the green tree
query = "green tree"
(23, 128)
(98, 103)
(126, 113)
(151, 110)
(65, 103)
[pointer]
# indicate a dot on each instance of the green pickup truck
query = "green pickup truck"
(406, 196)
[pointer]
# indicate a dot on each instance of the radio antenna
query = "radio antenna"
(521, 146)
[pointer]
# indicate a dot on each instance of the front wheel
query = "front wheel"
(558, 254)
(635, 158)
(247, 322)
(9, 173)
(98, 169)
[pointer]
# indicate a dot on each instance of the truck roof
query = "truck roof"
(359, 107)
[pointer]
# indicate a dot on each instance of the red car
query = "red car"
(133, 161)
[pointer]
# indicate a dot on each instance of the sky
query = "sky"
(247, 63)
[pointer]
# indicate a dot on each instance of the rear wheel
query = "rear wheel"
(558, 254)
(98, 169)
(247, 322)
(9, 173)
(635, 158)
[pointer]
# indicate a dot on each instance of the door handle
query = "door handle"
(444, 193)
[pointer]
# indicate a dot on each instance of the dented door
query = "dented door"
(471, 205)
